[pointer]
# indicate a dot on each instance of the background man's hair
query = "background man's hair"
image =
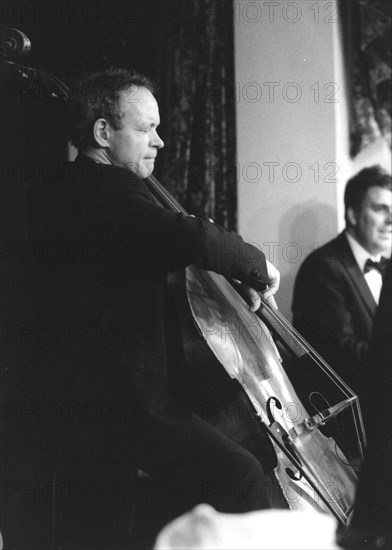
(97, 95)
(357, 186)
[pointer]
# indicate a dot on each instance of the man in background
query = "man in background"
(338, 286)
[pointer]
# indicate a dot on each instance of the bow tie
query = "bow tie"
(381, 266)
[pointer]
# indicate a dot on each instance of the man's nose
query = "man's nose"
(157, 141)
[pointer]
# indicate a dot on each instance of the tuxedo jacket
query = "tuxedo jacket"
(334, 309)
(98, 296)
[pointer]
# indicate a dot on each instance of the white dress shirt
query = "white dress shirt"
(372, 277)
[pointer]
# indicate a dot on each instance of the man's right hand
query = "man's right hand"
(252, 296)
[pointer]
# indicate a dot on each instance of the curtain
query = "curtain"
(367, 25)
(197, 104)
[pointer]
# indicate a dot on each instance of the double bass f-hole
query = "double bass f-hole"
(283, 438)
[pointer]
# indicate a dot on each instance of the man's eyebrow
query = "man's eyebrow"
(149, 124)
(383, 204)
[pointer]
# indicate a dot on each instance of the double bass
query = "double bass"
(238, 360)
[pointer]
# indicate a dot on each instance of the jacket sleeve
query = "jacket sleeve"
(168, 241)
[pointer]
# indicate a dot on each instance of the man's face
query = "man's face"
(136, 144)
(372, 223)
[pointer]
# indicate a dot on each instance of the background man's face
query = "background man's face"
(136, 144)
(373, 221)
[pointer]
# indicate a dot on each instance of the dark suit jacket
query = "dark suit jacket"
(97, 296)
(334, 309)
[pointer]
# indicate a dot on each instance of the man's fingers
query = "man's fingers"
(255, 304)
(252, 297)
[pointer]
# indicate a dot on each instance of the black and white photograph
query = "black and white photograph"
(196, 308)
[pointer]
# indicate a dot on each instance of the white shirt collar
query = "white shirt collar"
(360, 254)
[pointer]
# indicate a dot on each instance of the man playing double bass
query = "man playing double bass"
(111, 286)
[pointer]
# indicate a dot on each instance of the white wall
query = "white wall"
(299, 123)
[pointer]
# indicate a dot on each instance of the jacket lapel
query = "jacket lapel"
(356, 276)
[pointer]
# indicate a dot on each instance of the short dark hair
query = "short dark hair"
(97, 96)
(373, 176)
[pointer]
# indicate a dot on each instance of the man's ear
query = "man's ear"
(101, 132)
(351, 216)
